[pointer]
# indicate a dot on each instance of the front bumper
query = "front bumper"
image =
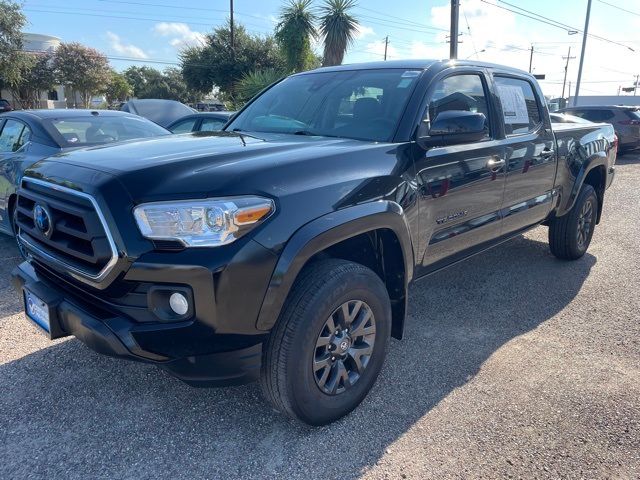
(231, 361)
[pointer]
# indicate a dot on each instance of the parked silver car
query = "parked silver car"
(625, 121)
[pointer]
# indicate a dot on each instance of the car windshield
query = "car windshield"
(96, 130)
(358, 104)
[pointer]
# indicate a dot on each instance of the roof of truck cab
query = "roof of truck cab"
(417, 64)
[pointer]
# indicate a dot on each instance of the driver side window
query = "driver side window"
(464, 92)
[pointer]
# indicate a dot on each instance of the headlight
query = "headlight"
(202, 223)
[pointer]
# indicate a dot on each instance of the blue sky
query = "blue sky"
(151, 32)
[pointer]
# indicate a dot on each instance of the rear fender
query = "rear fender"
(567, 201)
(324, 232)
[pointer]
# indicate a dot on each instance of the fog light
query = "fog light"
(178, 303)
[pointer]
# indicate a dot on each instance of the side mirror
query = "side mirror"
(452, 127)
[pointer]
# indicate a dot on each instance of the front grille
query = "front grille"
(77, 238)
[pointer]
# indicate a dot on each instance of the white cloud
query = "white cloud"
(124, 49)
(363, 31)
(179, 34)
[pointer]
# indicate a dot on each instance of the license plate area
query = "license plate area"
(41, 310)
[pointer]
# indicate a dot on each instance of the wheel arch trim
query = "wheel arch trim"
(598, 160)
(324, 232)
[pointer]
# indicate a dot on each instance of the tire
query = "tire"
(570, 235)
(288, 377)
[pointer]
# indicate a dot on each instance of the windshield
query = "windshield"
(95, 130)
(359, 104)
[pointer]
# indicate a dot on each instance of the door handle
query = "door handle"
(547, 153)
(495, 163)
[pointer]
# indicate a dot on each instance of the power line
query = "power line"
(138, 14)
(123, 17)
(473, 45)
(383, 21)
(620, 8)
(400, 18)
(551, 22)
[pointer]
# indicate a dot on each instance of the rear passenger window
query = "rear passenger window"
(596, 115)
(519, 105)
(212, 125)
(185, 126)
(13, 136)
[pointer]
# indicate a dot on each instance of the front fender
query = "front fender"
(324, 232)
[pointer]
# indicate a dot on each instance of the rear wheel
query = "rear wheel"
(570, 235)
(325, 353)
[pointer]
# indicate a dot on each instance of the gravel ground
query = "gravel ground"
(514, 364)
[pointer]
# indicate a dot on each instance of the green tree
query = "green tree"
(178, 85)
(81, 70)
(145, 81)
(118, 88)
(12, 20)
(254, 82)
(36, 76)
(148, 82)
(216, 64)
(294, 33)
(338, 28)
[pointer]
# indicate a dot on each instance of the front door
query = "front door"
(462, 185)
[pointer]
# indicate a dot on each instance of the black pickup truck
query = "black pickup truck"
(281, 248)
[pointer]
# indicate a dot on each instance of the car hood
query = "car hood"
(216, 163)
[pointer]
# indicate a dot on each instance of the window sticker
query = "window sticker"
(514, 105)
(407, 78)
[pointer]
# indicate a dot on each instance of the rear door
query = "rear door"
(461, 185)
(529, 153)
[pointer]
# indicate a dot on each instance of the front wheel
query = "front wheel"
(329, 344)
(570, 235)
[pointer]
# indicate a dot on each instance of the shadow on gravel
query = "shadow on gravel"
(631, 158)
(90, 416)
(9, 258)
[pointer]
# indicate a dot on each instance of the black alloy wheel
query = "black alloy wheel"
(344, 347)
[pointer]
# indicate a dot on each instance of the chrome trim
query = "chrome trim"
(79, 274)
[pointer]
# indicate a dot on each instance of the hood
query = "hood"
(203, 164)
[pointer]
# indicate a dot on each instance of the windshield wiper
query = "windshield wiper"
(312, 134)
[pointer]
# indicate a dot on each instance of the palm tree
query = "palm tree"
(294, 33)
(254, 82)
(338, 27)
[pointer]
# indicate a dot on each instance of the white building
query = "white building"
(37, 43)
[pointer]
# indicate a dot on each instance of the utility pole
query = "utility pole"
(566, 68)
(635, 86)
(231, 27)
(569, 92)
(453, 50)
(386, 44)
(531, 59)
(584, 46)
